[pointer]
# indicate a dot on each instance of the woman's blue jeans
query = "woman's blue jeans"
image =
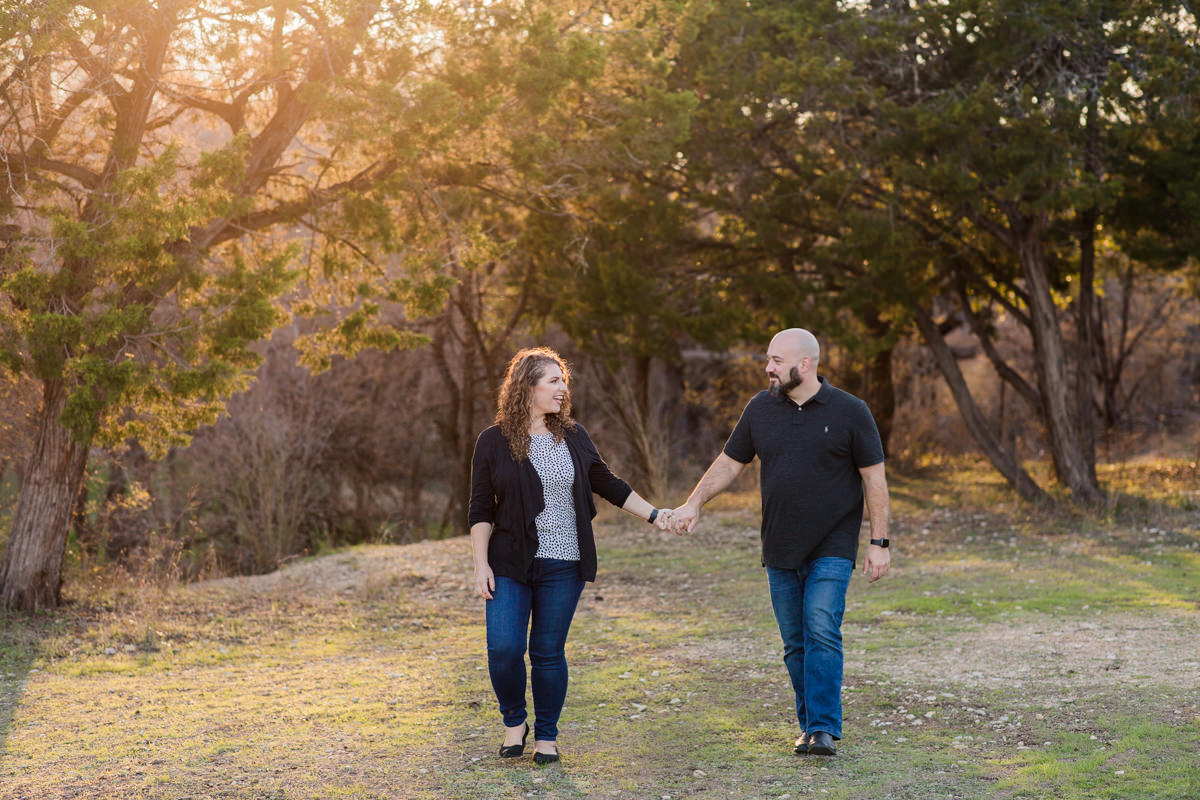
(549, 596)
(809, 603)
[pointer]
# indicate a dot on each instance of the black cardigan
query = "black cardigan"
(509, 495)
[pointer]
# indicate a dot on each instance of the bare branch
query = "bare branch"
(1006, 372)
(232, 113)
(326, 58)
(21, 164)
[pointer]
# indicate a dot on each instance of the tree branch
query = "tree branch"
(326, 58)
(1006, 373)
(234, 116)
(22, 164)
(220, 231)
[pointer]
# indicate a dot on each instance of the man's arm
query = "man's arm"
(879, 559)
(716, 479)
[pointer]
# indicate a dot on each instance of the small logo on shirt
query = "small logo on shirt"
(827, 429)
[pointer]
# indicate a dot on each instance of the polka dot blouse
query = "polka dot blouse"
(557, 535)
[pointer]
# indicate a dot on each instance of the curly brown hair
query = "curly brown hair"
(515, 403)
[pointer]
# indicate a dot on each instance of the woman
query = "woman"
(532, 478)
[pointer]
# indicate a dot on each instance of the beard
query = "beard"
(779, 388)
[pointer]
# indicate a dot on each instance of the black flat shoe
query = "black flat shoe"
(821, 744)
(802, 745)
(515, 750)
(544, 758)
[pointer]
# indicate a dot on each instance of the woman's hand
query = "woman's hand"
(485, 582)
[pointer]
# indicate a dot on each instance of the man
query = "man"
(819, 448)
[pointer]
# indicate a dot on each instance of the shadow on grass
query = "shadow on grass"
(1132, 507)
(19, 648)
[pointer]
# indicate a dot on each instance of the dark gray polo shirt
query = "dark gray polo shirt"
(812, 493)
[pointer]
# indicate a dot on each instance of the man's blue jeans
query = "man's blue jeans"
(550, 597)
(809, 603)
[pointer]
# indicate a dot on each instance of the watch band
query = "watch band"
(884, 542)
(653, 516)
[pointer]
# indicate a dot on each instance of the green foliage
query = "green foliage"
(615, 293)
(823, 126)
(1157, 217)
(216, 172)
(129, 285)
(243, 304)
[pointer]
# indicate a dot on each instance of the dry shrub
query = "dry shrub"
(716, 387)
(302, 462)
(268, 488)
(299, 463)
(1152, 326)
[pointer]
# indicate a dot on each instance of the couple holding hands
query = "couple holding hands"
(533, 476)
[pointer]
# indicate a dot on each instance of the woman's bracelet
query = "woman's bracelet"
(653, 516)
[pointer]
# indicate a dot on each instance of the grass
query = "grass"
(1015, 652)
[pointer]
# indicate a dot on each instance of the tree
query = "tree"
(607, 281)
(955, 155)
(769, 198)
(520, 227)
(182, 176)
(591, 106)
(999, 139)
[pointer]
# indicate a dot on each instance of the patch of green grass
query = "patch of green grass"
(1144, 760)
(1112, 582)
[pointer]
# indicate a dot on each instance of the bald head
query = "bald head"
(795, 344)
(792, 364)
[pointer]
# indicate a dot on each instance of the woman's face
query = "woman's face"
(549, 392)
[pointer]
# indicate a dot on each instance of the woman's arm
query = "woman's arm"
(481, 517)
(641, 509)
(600, 477)
(635, 505)
(485, 581)
(614, 489)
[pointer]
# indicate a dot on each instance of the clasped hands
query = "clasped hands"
(678, 520)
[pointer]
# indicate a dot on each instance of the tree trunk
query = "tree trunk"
(1002, 459)
(1085, 371)
(458, 360)
(881, 394)
(1061, 416)
(879, 390)
(31, 573)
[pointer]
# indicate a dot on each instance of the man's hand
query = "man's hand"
(684, 518)
(876, 565)
(485, 582)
